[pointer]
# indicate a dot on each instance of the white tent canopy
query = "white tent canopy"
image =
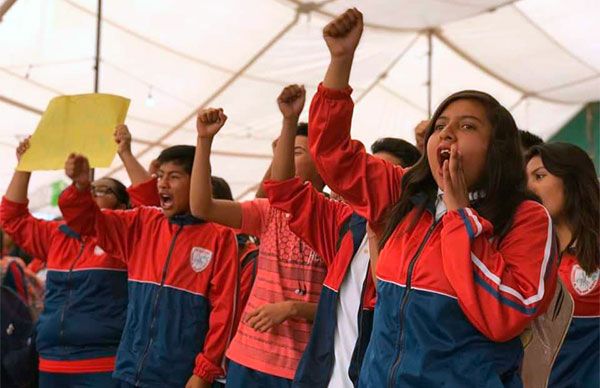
(540, 58)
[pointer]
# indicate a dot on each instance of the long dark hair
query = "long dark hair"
(220, 188)
(581, 193)
(504, 181)
(120, 192)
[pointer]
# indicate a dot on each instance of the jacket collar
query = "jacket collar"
(64, 228)
(185, 219)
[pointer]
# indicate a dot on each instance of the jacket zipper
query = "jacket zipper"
(155, 308)
(69, 291)
(404, 301)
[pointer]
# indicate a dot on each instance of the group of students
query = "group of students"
(420, 270)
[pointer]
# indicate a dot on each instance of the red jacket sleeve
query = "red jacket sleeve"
(370, 185)
(223, 308)
(501, 289)
(31, 234)
(36, 265)
(313, 217)
(144, 194)
(115, 230)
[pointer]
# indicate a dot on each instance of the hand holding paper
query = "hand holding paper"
(23, 147)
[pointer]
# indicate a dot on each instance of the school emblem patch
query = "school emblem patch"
(200, 258)
(582, 282)
(98, 251)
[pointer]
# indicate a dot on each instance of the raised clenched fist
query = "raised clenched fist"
(343, 33)
(77, 167)
(153, 167)
(210, 121)
(123, 139)
(291, 101)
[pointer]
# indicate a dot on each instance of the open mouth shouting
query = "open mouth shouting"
(166, 200)
(443, 155)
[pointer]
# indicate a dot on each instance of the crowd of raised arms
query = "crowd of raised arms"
(470, 260)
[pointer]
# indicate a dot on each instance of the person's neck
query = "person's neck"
(319, 185)
(564, 234)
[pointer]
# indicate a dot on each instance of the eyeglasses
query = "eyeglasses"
(101, 191)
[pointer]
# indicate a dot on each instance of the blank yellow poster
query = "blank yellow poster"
(83, 124)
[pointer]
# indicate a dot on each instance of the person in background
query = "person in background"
(247, 249)
(79, 330)
(260, 191)
(396, 151)
(342, 326)
(9, 248)
(563, 176)
(19, 366)
(528, 140)
(276, 322)
(420, 131)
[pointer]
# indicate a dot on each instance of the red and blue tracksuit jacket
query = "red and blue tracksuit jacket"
(335, 232)
(86, 294)
(578, 362)
(146, 194)
(451, 299)
(182, 281)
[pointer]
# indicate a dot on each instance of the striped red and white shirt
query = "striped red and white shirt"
(288, 269)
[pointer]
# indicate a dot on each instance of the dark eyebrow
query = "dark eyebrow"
(538, 169)
(461, 117)
(470, 117)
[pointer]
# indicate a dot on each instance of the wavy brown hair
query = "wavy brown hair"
(582, 194)
(503, 181)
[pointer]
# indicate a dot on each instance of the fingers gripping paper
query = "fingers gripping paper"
(83, 124)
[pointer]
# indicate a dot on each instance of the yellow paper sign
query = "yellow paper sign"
(83, 124)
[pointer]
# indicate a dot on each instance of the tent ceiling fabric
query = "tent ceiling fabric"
(538, 57)
(408, 15)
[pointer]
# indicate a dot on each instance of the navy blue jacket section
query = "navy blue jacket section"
(316, 365)
(84, 314)
(419, 353)
(578, 363)
(165, 328)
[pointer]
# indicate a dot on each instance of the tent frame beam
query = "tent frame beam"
(461, 53)
(5, 7)
(220, 90)
(234, 154)
(383, 75)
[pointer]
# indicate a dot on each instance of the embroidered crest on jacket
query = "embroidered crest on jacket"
(200, 258)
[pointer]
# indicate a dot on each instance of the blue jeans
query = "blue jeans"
(238, 376)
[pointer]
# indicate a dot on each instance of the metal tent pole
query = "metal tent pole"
(429, 66)
(97, 59)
